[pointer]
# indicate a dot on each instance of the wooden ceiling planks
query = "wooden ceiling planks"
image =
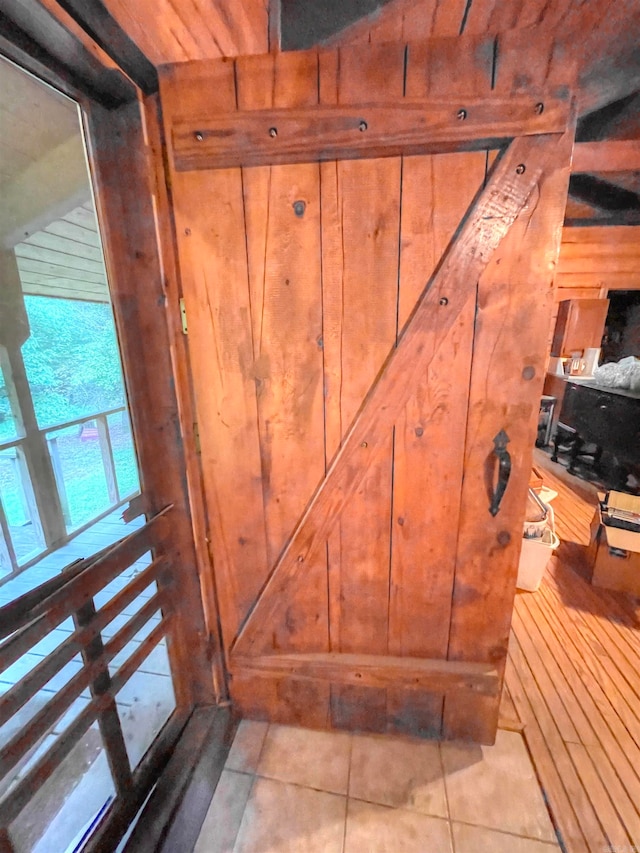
(33, 120)
(171, 31)
(65, 259)
(602, 36)
(402, 20)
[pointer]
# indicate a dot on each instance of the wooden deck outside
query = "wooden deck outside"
(573, 677)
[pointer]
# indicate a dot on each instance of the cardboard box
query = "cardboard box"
(617, 563)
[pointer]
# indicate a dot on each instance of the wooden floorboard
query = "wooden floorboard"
(573, 678)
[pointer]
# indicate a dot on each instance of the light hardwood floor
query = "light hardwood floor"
(573, 676)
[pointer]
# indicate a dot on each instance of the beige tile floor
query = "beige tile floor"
(300, 791)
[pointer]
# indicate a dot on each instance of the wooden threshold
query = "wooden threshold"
(573, 674)
(173, 816)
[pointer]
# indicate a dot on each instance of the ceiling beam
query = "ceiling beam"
(604, 39)
(617, 120)
(610, 155)
(102, 27)
(603, 195)
(50, 45)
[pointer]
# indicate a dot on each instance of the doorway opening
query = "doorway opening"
(85, 676)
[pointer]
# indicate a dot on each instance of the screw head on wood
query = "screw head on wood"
(539, 108)
(528, 372)
(273, 132)
(364, 444)
(362, 126)
(299, 208)
(443, 301)
(521, 169)
(198, 136)
(504, 537)
(461, 115)
(187, 231)
(301, 559)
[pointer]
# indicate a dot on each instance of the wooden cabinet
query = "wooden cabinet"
(579, 326)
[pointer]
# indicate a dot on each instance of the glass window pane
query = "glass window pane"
(9, 428)
(18, 504)
(68, 803)
(82, 485)
(72, 359)
(124, 454)
(5, 558)
(146, 702)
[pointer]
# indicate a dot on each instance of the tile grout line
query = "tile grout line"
(244, 812)
(552, 844)
(254, 773)
(346, 799)
(446, 796)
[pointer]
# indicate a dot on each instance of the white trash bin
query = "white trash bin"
(534, 558)
(537, 549)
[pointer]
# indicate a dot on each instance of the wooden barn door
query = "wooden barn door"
(367, 320)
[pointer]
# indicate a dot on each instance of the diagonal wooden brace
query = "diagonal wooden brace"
(489, 219)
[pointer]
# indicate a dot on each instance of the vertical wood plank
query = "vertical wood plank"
(406, 20)
(184, 392)
(209, 216)
(367, 203)
(517, 284)
(283, 246)
(429, 439)
(282, 216)
(129, 229)
(175, 32)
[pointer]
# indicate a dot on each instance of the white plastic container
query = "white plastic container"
(534, 557)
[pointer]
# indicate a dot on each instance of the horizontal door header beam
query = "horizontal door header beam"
(102, 27)
(267, 137)
(438, 676)
(36, 38)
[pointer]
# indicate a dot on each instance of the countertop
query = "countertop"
(590, 383)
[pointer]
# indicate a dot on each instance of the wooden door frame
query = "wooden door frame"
(139, 273)
(122, 137)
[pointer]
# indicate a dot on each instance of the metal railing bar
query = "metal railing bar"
(108, 463)
(26, 638)
(41, 555)
(24, 739)
(88, 575)
(17, 799)
(14, 442)
(6, 535)
(83, 420)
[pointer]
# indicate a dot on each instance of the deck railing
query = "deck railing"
(29, 619)
(33, 491)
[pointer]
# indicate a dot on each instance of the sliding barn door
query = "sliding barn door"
(367, 320)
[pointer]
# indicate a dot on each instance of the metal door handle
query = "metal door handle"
(504, 470)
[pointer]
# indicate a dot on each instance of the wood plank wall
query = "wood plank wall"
(167, 31)
(594, 260)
